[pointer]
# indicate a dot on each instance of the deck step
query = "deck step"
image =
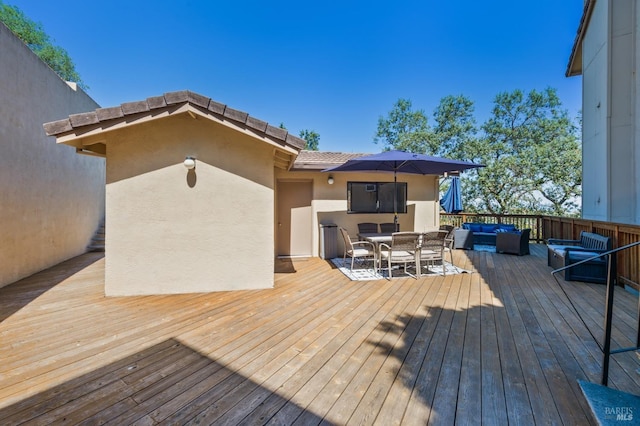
(611, 406)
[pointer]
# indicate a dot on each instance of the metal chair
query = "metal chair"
(448, 240)
(432, 248)
(389, 227)
(367, 228)
(404, 249)
(357, 249)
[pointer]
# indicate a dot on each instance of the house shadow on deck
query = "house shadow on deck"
(46, 280)
(168, 382)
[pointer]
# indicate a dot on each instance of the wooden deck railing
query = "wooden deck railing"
(545, 227)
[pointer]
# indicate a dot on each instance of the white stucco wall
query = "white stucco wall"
(636, 108)
(610, 120)
(595, 107)
(174, 231)
(330, 202)
(51, 199)
(622, 188)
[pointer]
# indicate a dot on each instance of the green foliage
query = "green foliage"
(455, 125)
(405, 130)
(532, 156)
(312, 138)
(529, 146)
(34, 36)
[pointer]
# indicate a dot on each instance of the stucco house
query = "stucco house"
(51, 200)
(606, 52)
(202, 197)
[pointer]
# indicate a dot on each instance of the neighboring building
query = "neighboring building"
(51, 200)
(606, 54)
(253, 194)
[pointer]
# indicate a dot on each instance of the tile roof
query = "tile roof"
(102, 116)
(320, 160)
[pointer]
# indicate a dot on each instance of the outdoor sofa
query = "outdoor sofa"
(480, 233)
(562, 253)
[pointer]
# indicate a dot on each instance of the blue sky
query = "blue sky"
(333, 66)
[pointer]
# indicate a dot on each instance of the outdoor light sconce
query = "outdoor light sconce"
(190, 163)
(330, 180)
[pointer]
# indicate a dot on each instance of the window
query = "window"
(376, 197)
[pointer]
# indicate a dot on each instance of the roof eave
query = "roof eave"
(574, 67)
(76, 127)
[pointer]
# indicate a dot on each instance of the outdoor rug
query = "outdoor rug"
(364, 272)
(361, 272)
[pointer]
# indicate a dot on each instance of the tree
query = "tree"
(405, 130)
(531, 154)
(529, 146)
(33, 35)
(455, 126)
(312, 138)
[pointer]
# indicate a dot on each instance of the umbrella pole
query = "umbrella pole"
(395, 201)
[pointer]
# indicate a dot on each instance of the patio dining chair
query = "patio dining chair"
(389, 227)
(362, 250)
(432, 248)
(367, 228)
(448, 240)
(404, 248)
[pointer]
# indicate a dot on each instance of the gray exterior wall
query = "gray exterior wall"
(610, 118)
(51, 199)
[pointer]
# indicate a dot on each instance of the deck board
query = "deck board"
(501, 345)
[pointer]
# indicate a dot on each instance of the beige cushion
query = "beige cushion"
(399, 256)
(361, 252)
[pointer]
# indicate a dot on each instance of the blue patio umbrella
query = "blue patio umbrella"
(403, 162)
(451, 201)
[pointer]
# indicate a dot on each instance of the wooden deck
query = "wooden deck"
(502, 345)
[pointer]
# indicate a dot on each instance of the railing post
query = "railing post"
(638, 324)
(608, 318)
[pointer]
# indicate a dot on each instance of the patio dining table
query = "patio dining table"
(378, 238)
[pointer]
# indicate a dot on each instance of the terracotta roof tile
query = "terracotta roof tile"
(320, 160)
(199, 100)
(296, 141)
(57, 127)
(235, 114)
(256, 124)
(83, 119)
(103, 115)
(216, 107)
(156, 102)
(135, 107)
(276, 132)
(176, 97)
(109, 113)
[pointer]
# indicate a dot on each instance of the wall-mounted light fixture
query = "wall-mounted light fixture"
(190, 163)
(330, 180)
